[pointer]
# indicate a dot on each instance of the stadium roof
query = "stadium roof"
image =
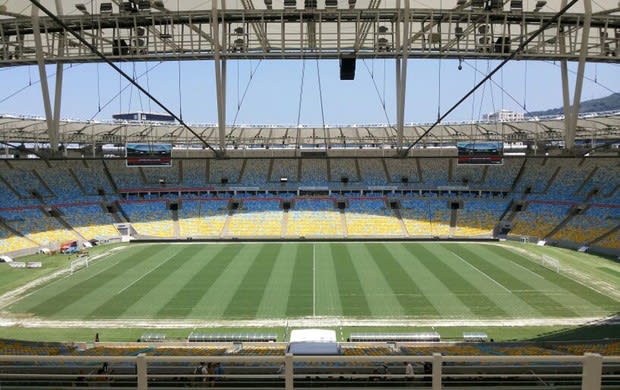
(15, 129)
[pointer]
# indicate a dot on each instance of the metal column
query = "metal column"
(220, 77)
(401, 75)
(52, 118)
(571, 110)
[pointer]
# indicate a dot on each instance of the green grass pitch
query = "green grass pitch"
(291, 280)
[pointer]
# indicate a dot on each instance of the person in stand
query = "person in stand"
(409, 375)
(211, 374)
(201, 370)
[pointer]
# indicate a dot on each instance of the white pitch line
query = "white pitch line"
(141, 277)
(528, 270)
(476, 268)
(313, 280)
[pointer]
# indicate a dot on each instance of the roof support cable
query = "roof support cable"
(245, 91)
(381, 98)
(518, 50)
(103, 57)
(301, 90)
(318, 75)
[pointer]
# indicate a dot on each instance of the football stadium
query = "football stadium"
(139, 250)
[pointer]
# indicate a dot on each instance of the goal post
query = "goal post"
(80, 262)
(550, 262)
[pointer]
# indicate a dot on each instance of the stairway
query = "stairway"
(175, 223)
(343, 222)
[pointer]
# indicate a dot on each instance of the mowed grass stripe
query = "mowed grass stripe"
(300, 294)
(217, 297)
(447, 304)
(409, 295)
(182, 303)
(57, 302)
(275, 298)
(327, 294)
(352, 296)
(459, 281)
(583, 292)
(532, 296)
(65, 283)
(138, 288)
(379, 294)
(91, 299)
(149, 305)
(248, 296)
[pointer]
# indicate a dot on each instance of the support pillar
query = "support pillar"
(571, 110)
(401, 75)
(592, 372)
(220, 78)
(437, 368)
(52, 117)
(141, 372)
(288, 372)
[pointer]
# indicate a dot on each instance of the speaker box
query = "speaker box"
(344, 179)
(224, 180)
(454, 205)
(404, 179)
(347, 68)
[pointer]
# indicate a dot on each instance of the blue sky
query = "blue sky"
(274, 91)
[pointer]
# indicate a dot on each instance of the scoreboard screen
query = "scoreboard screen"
(149, 155)
(480, 153)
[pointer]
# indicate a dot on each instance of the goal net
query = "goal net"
(80, 262)
(550, 262)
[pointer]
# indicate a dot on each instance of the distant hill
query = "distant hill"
(608, 103)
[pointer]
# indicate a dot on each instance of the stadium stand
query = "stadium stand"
(149, 218)
(343, 168)
(90, 221)
(314, 217)
(202, 218)
(257, 218)
(554, 185)
(399, 169)
(370, 217)
(314, 172)
(38, 227)
(478, 217)
(284, 168)
(539, 219)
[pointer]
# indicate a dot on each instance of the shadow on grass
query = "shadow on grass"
(607, 329)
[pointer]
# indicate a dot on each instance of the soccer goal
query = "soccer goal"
(551, 263)
(80, 262)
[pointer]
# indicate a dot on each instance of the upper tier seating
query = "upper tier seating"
(125, 177)
(370, 217)
(194, 173)
(284, 168)
(60, 180)
(202, 218)
(400, 168)
(314, 217)
(536, 175)
(225, 169)
(92, 177)
(434, 172)
(256, 172)
(257, 218)
(501, 177)
(170, 175)
(343, 168)
(372, 171)
(23, 179)
(466, 174)
(314, 172)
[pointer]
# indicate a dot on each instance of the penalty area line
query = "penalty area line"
(477, 269)
(143, 276)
